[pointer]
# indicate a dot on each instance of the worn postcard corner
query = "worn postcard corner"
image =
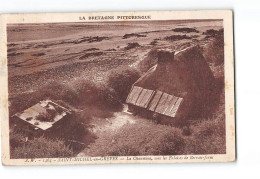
(117, 87)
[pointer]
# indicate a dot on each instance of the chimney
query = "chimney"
(165, 57)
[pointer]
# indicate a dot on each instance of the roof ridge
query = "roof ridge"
(177, 52)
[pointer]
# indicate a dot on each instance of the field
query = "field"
(91, 67)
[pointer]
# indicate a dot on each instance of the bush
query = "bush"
(22, 102)
(185, 30)
(121, 81)
(80, 93)
(214, 55)
(172, 143)
(53, 90)
(214, 52)
(126, 36)
(42, 148)
(59, 91)
(16, 139)
(212, 32)
(99, 95)
(208, 136)
(140, 139)
(177, 37)
(132, 45)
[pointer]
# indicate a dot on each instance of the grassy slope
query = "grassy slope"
(144, 137)
(147, 138)
(89, 99)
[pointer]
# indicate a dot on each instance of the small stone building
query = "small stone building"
(41, 118)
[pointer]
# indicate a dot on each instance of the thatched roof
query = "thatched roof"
(185, 75)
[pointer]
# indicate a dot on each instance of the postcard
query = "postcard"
(117, 87)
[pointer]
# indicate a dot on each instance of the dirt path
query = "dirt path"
(106, 126)
(115, 123)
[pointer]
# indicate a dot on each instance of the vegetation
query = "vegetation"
(177, 37)
(148, 138)
(205, 136)
(214, 53)
(42, 148)
(91, 99)
(126, 36)
(144, 138)
(121, 81)
(132, 45)
(212, 32)
(99, 95)
(208, 136)
(185, 30)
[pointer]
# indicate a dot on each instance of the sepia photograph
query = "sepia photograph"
(112, 86)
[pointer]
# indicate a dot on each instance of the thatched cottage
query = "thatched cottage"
(180, 87)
